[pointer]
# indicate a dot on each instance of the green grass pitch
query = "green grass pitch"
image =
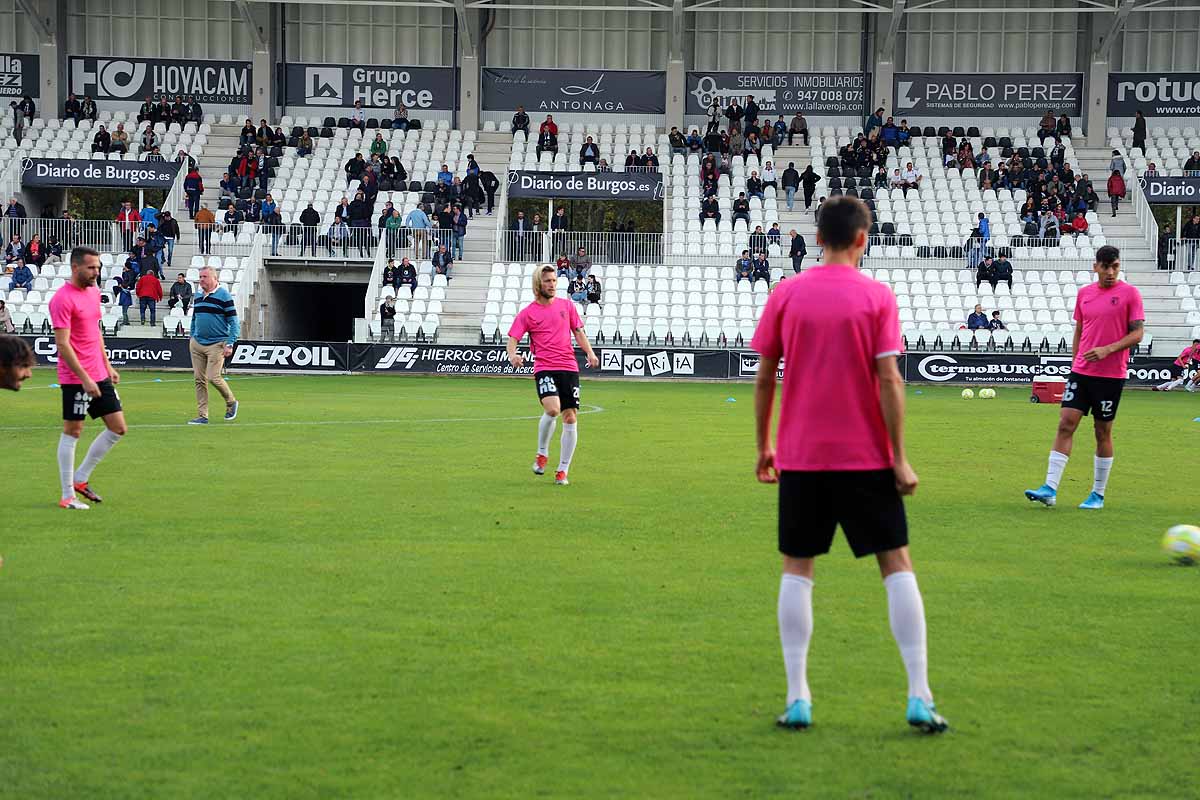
(358, 589)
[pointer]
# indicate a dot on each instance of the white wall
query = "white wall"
(1016, 42)
(1164, 41)
(343, 34)
(755, 40)
(580, 39)
(157, 29)
(16, 34)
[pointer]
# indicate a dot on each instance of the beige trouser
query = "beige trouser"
(207, 360)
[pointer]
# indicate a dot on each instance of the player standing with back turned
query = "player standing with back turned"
(839, 457)
(1108, 321)
(550, 322)
(85, 374)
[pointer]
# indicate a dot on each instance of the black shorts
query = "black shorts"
(1097, 396)
(866, 504)
(1176, 370)
(563, 383)
(77, 404)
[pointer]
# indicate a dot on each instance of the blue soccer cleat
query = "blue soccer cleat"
(798, 715)
(922, 715)
(1093, 500)
(1044, 495)
(198, 421)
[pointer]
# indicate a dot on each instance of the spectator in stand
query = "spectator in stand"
(985, 228)
(978, 320)
(193, 187)
(6, 322)
(393, 229)
(168, 229)
(798, 125)
(1048, 227)
(580, 264)
(996, 323)
(101, 141)
(149, 292)
(734, 113)
(155, 155)
(677, 142)
(1047, 126)
(547, 141)
(912, 177)
(774, 235)
(445, 175)
(387, 316)
(194, 112)
(986, 272)
(390, 275)
(354, 168)
(178, 111)
(442, 262)
(754, 185)
(181, 293)
(72, 110)
(358, 116)
(232, 220)
(204, 221)
(1193, 162)
(459, 221)
(418, 221)
(35, 251)
(779, 132)
(710, 209)
(649, 160)
(490, 183)
(228, 188)
(762, 267)
(53, 249)
(743, 268)
(148, 111)
(520, 121)
(400, 120)
(889, 132)
(817, 213)
(1139, 131)
(758, 240)
(593, 289)
(809, 180)
(305, 146)
(577, 289)
(769, 178)
(310, 219)
(272, 223)
(1190, 233)
(338, 235)
(874, 121)
(797, 250)
(590, 153)
(118, 140)
(15, 213)
(1062, 129)
(1079, 225)
(22, 276)
(1116, 189)
(791, 183)
(1002, 271)
(130, 221)
(379, 146)
(548, 124)
(741, 208)
(694, 142)
(1117, 163)
(18, 119)
(713, 115)
(27, 108)
(407, 275)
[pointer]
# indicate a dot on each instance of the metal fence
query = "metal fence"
(324, 242)
(102, 235)
(1179, 254)
(602, 247)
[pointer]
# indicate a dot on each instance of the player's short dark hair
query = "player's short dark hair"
(78, 254)
(1108, 254)
(15, 352)
(842, 218)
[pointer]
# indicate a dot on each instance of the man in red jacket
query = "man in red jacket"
(149, 292)
(130, 221)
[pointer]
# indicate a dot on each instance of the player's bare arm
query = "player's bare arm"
(62, 337)
(1137, 328)
(1075, 341)
(113, 375)
(582, 340)
(764, 401)
(891, 401)
(514, 358)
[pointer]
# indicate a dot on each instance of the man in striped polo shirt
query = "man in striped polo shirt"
(214, 330)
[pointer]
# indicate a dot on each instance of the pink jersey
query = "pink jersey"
(79, 310)
(1189, 354)
(830, 324)
(1106, 314)
(549, 328)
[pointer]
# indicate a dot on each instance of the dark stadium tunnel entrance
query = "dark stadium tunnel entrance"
(317, 312)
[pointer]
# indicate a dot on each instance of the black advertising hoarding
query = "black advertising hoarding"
(19, 75)
(819, 93)
(576, 91)
(132, 79)
(636, 185)
(1024, 94)
(339, 85)
(248, 356)
(1176, 190)
(1018, 368)
(88, 172)
(615, 362)
(1155, 94)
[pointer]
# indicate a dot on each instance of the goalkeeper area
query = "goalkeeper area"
(358, 589)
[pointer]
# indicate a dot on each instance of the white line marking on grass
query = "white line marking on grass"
(175, 380)
(288, 423)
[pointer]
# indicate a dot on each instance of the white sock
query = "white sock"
(1058, 463)
(1175, 384)
(795, 632)
(545, 432)
(906, 613)
(1102, 466)
(99, 449)
(66, 465)
(570, 437)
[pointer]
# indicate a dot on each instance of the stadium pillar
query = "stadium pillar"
(261, 106)
(881, 87)
(48, 88)
(468, 91)
(676, 92)
(1096, 113)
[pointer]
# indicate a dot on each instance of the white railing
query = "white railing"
(175, 201)
(1145, 215)
(253, 264)
(10, 177)
(371, 301)
(603, 247)
(101, 235)
(502, 215)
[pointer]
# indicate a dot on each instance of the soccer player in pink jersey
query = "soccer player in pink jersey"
(550, 322)
(839, 456)
(1180, 367)
(1109, 320)
(86, 376)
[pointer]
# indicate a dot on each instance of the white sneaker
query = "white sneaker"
(73, 504)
